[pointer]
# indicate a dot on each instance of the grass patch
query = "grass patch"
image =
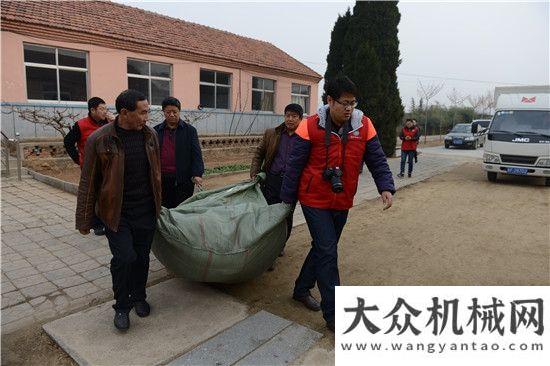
(226, 169)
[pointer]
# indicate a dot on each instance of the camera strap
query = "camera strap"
(328, 131)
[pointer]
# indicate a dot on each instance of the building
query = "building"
(62, 53)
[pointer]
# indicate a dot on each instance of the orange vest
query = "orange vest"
(87, 126)
(314, 191)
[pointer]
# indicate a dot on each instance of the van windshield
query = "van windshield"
(462, 128)
(522, 122)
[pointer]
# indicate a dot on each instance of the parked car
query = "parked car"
(480, 127)
(464, 135)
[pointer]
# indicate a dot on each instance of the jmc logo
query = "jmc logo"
(521, 139)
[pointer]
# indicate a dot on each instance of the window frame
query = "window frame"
(263, 91)
(150, 77)
(300, 95)
(57, 67)
(215, 85)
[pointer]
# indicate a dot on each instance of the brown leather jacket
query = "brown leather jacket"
(102, 179)
(266, 151)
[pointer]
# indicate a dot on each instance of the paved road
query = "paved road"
(48, 269)
(453, 152)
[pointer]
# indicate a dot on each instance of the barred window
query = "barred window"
(56, 74)
(263, 94)
(153, 79)
(215, 89)
(300, 95)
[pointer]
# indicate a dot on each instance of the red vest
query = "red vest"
(408, 145)
(313, 190)
(87, 126)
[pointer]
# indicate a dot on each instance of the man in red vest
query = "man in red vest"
(323, 173)
(75, 140)
(409, 135)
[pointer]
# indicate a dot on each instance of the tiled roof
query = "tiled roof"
(124, 27)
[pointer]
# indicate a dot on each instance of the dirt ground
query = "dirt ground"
(452, 229)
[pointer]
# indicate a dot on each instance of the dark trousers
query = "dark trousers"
(407, 155)
(130, 247)
(96, 222)
(272, 192)
(173, 193)
(321, 263)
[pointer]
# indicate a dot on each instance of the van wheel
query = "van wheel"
(547, 182)
(446, 145)
(492, 176)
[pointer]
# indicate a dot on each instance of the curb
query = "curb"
(54, 182)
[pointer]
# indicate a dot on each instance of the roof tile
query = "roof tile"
(126, 23)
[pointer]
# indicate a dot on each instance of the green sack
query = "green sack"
(227, 235)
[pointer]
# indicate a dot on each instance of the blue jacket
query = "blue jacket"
(189, 161)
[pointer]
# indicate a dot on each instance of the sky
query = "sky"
(469, 46)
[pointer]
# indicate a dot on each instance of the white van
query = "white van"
(518, 140)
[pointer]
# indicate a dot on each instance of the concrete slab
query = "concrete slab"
(316, 356)
(183, 315)
(284, 348)
(236, 342)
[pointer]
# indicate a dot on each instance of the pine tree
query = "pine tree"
(370, 59)
(335, 57)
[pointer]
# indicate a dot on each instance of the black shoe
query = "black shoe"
(309, 302)
(142, 308)
(99, 230)
(409, 175)
(400, 175)
(122, 320)
(330, 325)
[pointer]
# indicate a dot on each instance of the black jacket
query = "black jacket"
(188, 151)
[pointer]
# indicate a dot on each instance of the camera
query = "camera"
(334, 176)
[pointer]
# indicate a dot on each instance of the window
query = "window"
(263, 94)
(55, 74)
(300, 95)
(215, 89)
(151, 78)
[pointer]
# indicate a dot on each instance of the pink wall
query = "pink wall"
(107, 75)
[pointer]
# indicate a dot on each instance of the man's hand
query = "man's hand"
(197, 181)
(84, 232)
(387, 199)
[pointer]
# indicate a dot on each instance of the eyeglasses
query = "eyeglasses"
(347, 104)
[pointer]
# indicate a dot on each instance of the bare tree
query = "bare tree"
(60, 120)
(488, 102)
(457, 100)
(476, 102)
(427, 92)
(193, 117)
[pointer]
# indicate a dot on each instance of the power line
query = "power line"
(439, 77)
(459, 79)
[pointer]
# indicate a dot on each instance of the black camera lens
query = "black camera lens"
(337, 185)
(333, 175)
